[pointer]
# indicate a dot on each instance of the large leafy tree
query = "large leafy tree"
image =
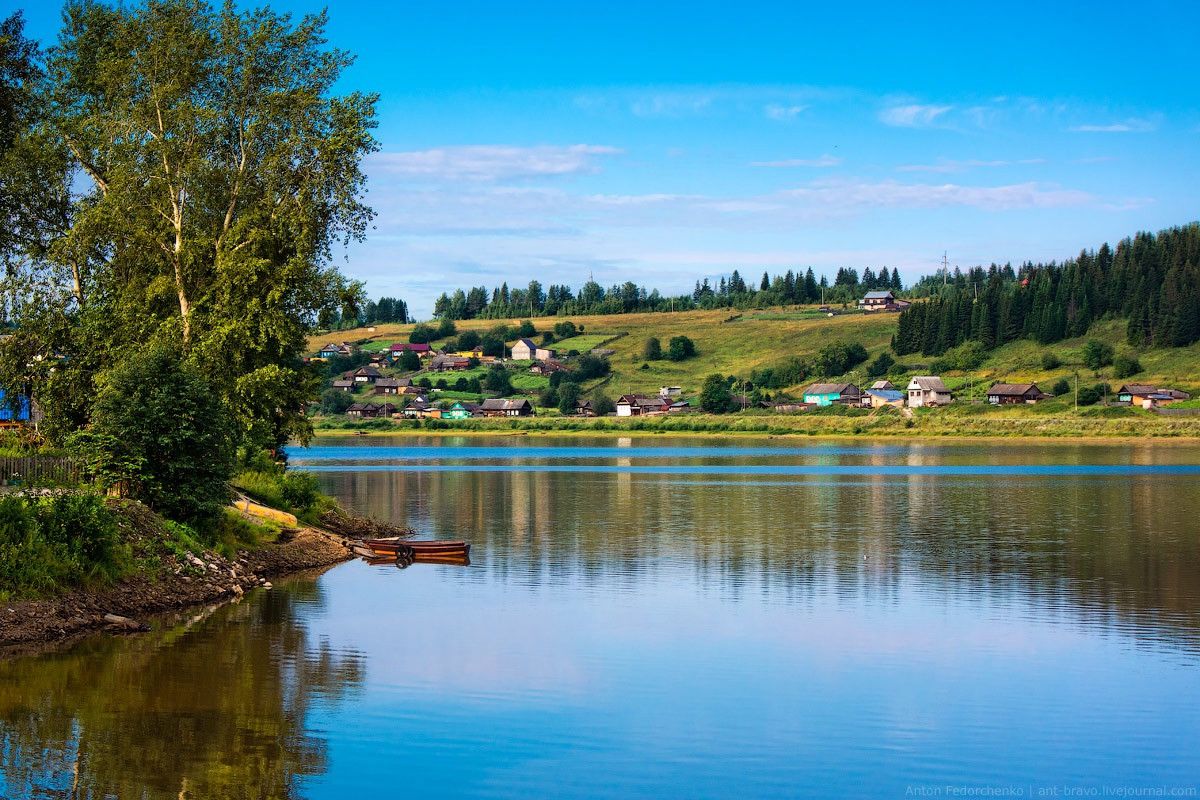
(214, 172)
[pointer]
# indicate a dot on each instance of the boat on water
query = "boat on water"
(449, 548)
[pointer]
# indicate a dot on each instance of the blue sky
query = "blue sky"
(662, 142)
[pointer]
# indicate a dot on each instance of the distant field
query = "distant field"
(583, 343)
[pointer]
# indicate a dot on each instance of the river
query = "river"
(673, 618)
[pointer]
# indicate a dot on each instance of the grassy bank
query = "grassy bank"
(972, 422)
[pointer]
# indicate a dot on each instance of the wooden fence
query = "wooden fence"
(38, 470)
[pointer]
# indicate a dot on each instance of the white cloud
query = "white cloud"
(950, 165)
(671, 104)
(488, 163)
(825, 160)
(779, 111)
(913, 115)
(862, 195)
(1131, 125)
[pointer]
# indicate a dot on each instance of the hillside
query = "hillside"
(730, 343)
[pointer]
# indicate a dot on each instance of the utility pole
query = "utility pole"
(1076, 390)
(945, 269)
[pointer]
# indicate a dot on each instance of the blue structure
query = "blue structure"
(13, 412)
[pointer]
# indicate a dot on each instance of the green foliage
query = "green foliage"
(1061, 387)
(446, 328)
(603, 405)
(335, 401)
(422, 334)
(565, 329)
(652, 351)
(1125, 366)
(589, 367)
(881, 366)
(1097, 354)
(162, 435)
(680, 348)
(1090, 395)
(57, 541)
(715, 397)
(568, 397)
(468, 340)
(1050, 361)
(497, 380)
(525, 330)
(839, 358)
(409, 361)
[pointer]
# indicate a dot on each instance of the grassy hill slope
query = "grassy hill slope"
(730, 343)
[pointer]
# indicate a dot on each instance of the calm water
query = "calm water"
(673, 618)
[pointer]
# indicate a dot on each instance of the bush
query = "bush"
(525, 330)
(469, 340)
(498, 380)
(446, 328)
(565, 330)
(680, 348)
(1050, 360)
(1097, 354)
(409, 361)
(839, 358)
(299, 490)
(1090, 395)
(422, 334)
(84, 530)
(881, 366)
(1125, 366)
(589, 366)
(161, 434)
(715, 397)
(568, 397)
(602, 404)
(335, 401)
(1061, 387)
(652, 350)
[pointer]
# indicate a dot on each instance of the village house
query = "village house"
(1009, 394)
(1149, 396)
(527, 350)
(680, 407)
(364, 375)
(883, 386)
(370, 410)
(392, 385)
(416, 408)
(928, 390)
(333, 350)
(422, 350)
(449, 363)
(826, 394)
(501, 407)
(670, 391)
(344, 385)
(878, 398)
(583, 408)
(460, 410)
(636, 405)
(547, 367)
(882, 301)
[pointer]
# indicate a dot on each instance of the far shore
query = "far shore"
(1183, 430)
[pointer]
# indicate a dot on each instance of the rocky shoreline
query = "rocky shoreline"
(186, 582)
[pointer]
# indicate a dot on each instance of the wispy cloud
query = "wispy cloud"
(489, 163)
(781, 112)
(862, 195)
(1131, 125)
(672, 104)
(913, 115)
(951, 165)
(825, 160)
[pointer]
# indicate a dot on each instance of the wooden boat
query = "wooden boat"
(418, 547)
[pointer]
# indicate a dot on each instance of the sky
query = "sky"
(667, 142)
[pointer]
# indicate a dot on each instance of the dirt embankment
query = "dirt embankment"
(183, 581)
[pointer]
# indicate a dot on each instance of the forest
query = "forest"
(1152, 280)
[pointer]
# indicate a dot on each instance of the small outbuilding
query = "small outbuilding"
(827, 394)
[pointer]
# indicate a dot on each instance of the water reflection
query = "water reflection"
(1117, 550)
(217, 706)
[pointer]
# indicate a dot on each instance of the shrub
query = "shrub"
(161, 434)
(1124, 366)
(568, 397)
(84, 530)
(589, 366)
(715, 397)
(565, 329)
(602, 404)
(497, 380)
(1061, 387)
(836, 359)
(335, 401)
(299, 490)
(446, 328)
(422, 334)
(1097, 354)
(881, 366)
(652, 350)
(469, 340)
(409, 361)
(680, 348)
(1050, 360)
(1090, 395)
(525, 330)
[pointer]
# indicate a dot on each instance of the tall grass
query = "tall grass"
(58, 541)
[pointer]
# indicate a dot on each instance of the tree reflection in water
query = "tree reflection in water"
(214, 707)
